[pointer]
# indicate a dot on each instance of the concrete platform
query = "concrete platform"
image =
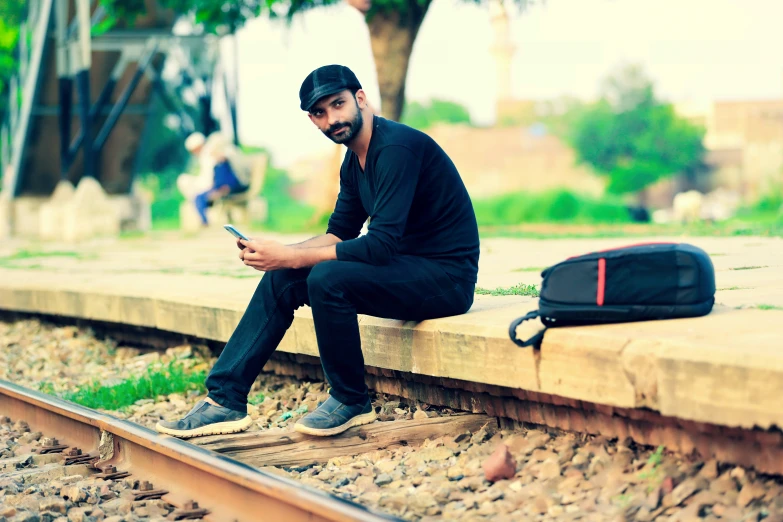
(724, 369)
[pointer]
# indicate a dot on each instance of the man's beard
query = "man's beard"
(351, 129)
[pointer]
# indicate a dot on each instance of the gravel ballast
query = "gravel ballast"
(490, 474)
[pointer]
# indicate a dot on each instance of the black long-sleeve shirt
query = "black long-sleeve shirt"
(416, 201)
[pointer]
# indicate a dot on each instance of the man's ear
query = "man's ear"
(361, 98)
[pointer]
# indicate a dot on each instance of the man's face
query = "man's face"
(338, 116)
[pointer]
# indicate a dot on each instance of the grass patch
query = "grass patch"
(227, 273)
(519, 289)
(22, 254)
(166, 223)
(257, 399)
(734, 288)
(132, 234)
(159, 380)
(12, 261)
(285, 214)
(581, 230)
(553, 206)
(529, 269)
(769, 307)
(747, 267)
(652, 470)
(34, 266)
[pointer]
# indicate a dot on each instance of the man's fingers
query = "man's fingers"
(258, 265)
(240, 245)
(249, 255)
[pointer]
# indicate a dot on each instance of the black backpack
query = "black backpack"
(640, 282)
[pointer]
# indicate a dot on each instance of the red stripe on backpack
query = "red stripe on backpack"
(599, 298)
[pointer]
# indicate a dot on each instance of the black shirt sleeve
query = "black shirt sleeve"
(349, 215)
(396, 174)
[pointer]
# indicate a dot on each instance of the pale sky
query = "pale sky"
(697, 50)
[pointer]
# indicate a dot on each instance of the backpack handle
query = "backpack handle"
(534, 341)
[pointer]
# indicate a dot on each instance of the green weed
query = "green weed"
(22, 254)
(157, 380)
(132, 234)
(47, 388)
(622, 500)
(747, 267)
(653, 471)
(256, 399)
(529, 269)
(584, 230)
(227, 273)
(768, 307)
(656, 458)
(519, 289)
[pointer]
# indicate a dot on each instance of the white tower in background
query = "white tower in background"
(502, 48)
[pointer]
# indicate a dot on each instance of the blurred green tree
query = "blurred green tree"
(393, 27)
(633, 138)
(422, 117)
(11, 12)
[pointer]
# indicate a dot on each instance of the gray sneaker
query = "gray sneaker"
(333, 417)
(206, 419)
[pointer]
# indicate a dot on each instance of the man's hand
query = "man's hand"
(266, 255)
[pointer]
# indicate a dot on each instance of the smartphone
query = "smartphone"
(236, 233)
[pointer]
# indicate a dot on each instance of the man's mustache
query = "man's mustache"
(337, 126)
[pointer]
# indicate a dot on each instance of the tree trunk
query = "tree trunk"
(392, 33)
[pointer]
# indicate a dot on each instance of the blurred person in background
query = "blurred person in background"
(222, 171)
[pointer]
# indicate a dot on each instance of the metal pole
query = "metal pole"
(65, 86)
(83, 82)
(24, 51)
(103, 99)
(13, 101)
(12, 175)
(235, 97)
(188, 126)
(118, 107)
(5, 152)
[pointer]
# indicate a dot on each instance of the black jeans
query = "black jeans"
(408, 288)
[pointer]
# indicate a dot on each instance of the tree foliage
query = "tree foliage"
(633, 138)
(10, 16)
(218, 16)
(213, 16)
(422, 117)
(393, 27)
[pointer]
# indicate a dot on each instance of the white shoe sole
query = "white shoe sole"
(218, 428)
(359, 420)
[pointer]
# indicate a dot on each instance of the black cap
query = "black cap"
(325, 81)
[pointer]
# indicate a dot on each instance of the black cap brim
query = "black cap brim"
(322, 91)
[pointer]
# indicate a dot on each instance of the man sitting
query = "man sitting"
(222, 171)
(418, 261)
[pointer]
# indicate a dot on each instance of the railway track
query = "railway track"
(222, 488)
(418, 469)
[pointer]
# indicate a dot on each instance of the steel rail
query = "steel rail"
(230, 490)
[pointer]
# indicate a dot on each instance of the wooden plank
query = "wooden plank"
(290, 448)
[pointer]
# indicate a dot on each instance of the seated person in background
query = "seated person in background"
(222, 171)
